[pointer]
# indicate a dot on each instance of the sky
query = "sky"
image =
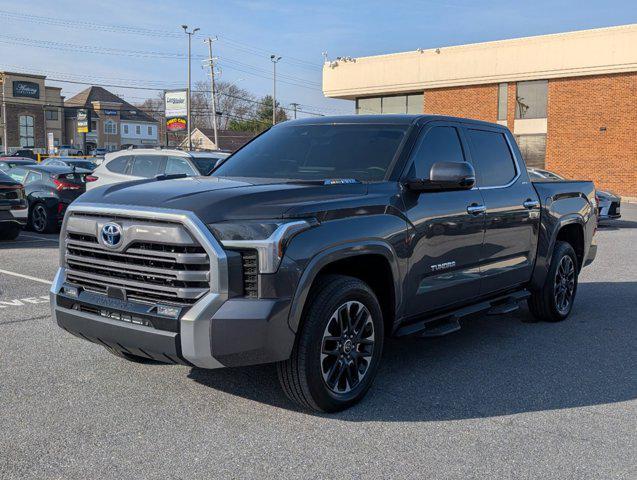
(140, 43)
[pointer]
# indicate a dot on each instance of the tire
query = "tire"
(41, 220)
(554, 301)
(130, 357)
(10, 233)
(334, 362)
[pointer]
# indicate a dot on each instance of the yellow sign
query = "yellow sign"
(82, 129)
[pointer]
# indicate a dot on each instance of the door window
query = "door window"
(146, 166)
(175, 165)
(491, 155)
(440, 144)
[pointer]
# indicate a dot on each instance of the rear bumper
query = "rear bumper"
(212, 333)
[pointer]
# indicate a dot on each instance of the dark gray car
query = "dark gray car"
(315, 242)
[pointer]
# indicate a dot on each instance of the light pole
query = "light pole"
(212, 89)
(275, 60)
(190, 34)
(4, 118)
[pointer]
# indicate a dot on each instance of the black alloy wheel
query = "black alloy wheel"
(564, 285)
(347, 347)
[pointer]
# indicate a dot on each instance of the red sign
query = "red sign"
(176, 124)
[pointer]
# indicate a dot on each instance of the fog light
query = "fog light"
(168, 311)
(72, 291)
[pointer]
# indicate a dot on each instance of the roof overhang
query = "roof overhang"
(588, 52)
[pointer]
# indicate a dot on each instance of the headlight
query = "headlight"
(268, 237)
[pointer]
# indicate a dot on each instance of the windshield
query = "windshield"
(205, 165)
(86, 165)
(311, 152)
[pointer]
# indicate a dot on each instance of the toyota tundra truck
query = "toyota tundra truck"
(316, 241)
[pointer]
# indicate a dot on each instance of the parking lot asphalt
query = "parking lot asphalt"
(502, 398)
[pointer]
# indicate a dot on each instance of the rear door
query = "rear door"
(447, 239)
(512, 209)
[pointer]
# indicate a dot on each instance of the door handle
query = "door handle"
(530, 204)
(475, 209)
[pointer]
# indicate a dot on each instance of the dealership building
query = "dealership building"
(570, 99)
(30, 114)
(114, 123)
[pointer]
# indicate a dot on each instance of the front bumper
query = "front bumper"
(16, 217)
(213, 333)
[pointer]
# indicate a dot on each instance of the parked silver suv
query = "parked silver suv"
(127, 165)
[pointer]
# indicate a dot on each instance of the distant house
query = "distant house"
(229, 140)
(115, 123)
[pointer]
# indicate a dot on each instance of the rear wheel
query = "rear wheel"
(338, 347)
(554, 301)
(41, 220)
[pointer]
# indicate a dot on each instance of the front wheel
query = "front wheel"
(554, 301)
(338, 348)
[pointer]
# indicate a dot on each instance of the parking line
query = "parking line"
(35, 279)
(44, 239)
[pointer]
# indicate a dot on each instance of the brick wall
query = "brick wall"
(576, 147)
(476, 101)
(14, 111)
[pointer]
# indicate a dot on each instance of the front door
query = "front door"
(513, 209)
(447, 239)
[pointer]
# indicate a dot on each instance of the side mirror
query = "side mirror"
(446, 176)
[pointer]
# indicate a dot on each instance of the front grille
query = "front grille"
(249, 260)
(612, 210)
(147, 271)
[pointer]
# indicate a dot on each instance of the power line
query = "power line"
(142, 31)
(52, 45)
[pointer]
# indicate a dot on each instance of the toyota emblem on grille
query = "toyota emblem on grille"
(111, 234)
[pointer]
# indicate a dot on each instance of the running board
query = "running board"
(449, 322)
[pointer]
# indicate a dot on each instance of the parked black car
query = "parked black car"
(9, 162)
(13, 207)
(71, 162)
(49, 190)
(25, 153)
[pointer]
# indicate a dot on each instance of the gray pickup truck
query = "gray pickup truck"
(315, 242)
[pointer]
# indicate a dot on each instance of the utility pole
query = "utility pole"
(212, 88)
(190, 34)
(275, 60)
(295, 106)
(4, 118)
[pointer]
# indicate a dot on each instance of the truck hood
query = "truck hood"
(217, 199)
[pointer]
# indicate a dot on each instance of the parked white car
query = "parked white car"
(127, 165)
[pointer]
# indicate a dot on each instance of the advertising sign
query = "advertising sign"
(83, 120)
(176, 109)
(26, 89)
(50, 143)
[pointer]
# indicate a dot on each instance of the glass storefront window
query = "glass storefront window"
(412, 103)
(531, 99)
(415, 103)
(26, 131)
(502, 101)
(533, 149)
